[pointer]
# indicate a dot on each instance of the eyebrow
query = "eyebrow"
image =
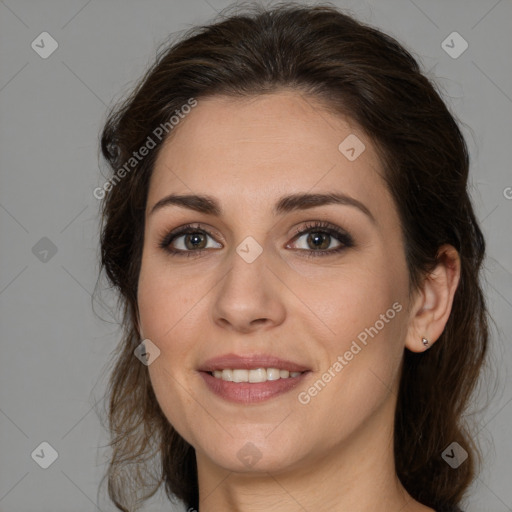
(300, 201)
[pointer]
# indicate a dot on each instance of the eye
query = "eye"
(318, 238)
(188, 239)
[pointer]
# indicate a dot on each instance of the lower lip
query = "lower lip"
(247, 392)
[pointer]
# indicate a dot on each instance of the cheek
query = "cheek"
(165, 298)
(351, 298)
(165, 312)
(365, 312)
(360, 373)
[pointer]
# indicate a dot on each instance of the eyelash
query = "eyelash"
(322, 227)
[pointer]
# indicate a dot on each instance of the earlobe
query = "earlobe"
(434, 301)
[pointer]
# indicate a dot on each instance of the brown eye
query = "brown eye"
(187, 240)
(315, 241)
(195, 241)
(318, 240)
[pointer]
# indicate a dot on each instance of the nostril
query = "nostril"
(259, 321)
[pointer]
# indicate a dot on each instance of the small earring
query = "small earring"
(425, 342)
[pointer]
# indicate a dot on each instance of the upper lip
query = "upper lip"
(249, 362)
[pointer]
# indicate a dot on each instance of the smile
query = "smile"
(254, 375)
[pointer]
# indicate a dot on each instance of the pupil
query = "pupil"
(320, 240)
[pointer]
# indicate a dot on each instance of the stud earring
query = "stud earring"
(425, 342)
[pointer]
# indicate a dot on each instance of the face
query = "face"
(315, 282)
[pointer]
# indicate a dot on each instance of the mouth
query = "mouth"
(251, 378)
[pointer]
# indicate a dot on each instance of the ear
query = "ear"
(433, 302)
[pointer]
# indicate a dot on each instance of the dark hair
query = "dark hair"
(356, 71)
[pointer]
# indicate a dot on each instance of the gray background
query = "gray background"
(54, 347)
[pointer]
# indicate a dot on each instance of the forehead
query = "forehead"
(256, 148)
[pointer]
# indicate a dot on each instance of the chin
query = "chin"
(249, 459)
(247, 454)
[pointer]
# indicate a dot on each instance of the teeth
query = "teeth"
(273, 374)
(240, 375)
(255, 375)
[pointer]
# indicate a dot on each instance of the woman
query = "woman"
(288, 226)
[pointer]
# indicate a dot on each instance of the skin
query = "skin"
(334, 453)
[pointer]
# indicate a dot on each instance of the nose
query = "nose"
(249, 296)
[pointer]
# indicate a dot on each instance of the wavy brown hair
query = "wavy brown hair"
(356, 71)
